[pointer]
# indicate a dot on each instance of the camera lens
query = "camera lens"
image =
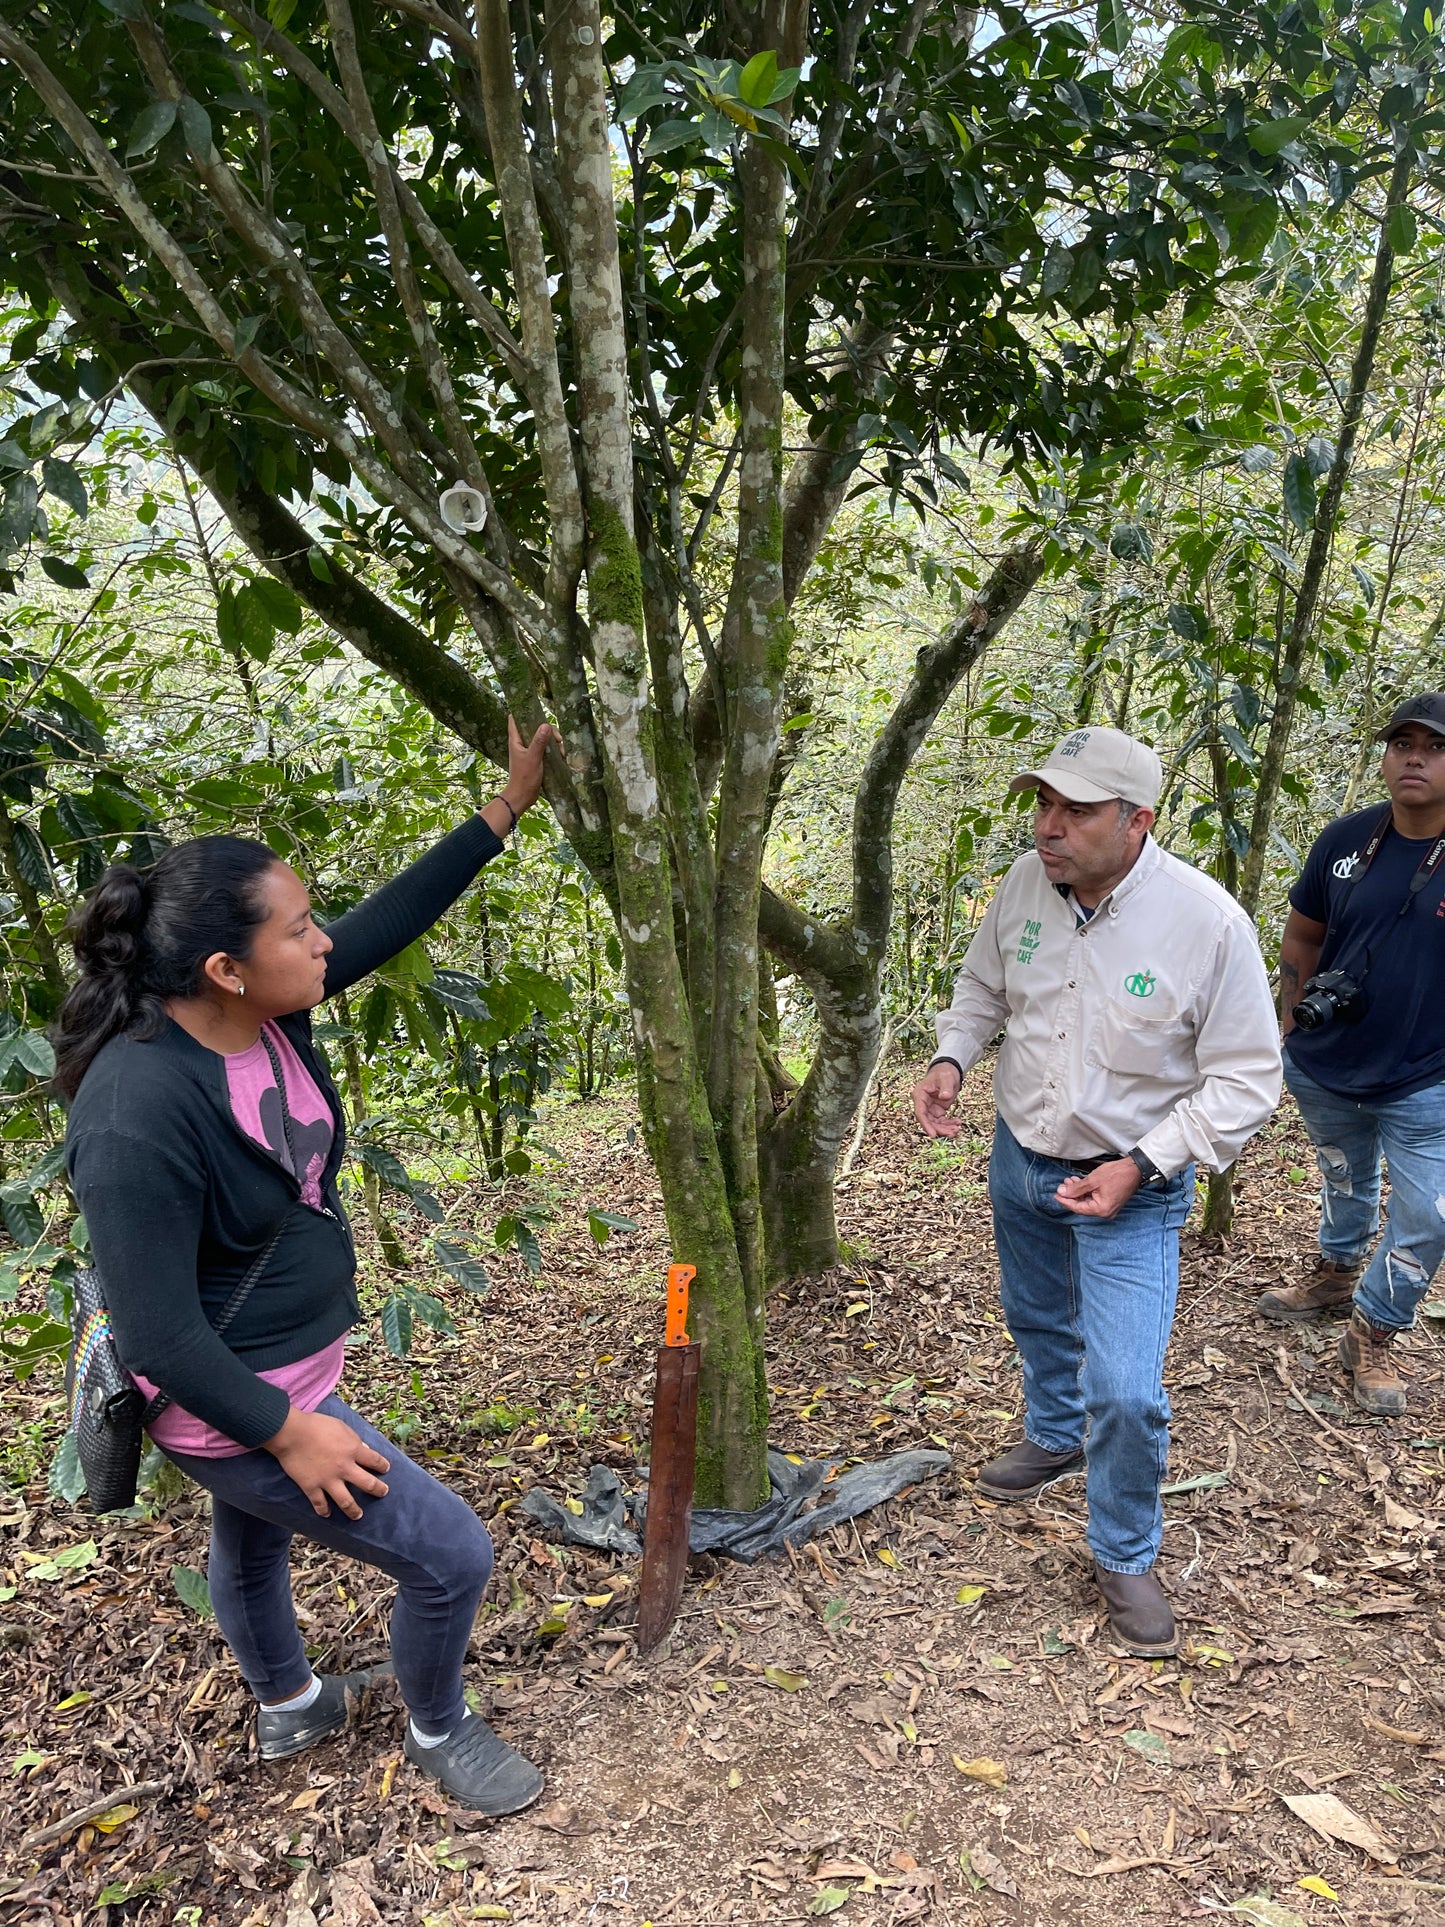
(1312, 1011)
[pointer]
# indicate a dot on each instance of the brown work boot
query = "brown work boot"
(1025, 1470)
(1140, 1617)
(1328, 1288)
(1365, 1355)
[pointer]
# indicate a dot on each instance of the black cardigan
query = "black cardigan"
(179, 1201)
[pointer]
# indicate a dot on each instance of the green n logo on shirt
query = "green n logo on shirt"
(1029, 940)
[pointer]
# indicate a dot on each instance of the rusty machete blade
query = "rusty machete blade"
(670, 1475)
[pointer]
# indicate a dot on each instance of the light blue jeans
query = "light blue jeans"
(1090, 1303)
(1349, 1139)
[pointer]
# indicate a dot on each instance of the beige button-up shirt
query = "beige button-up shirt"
(1151, 1024)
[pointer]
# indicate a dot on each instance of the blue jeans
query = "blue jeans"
(422, 1534)
(1349, 1138)
(1090, 1302)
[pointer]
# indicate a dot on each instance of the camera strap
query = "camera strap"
(1429, 864)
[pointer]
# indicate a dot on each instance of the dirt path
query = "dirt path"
(918, 1718)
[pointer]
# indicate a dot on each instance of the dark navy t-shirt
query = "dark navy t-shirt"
(1398, 1046)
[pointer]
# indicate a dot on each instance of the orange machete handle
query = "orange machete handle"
(679, 1277)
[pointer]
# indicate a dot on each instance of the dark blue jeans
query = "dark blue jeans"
(422, 1534)
(1089, 1303)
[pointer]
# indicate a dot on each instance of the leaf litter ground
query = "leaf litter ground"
(917, 1718)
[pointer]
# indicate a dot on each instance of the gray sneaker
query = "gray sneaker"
(477, 1768)
(280, 1734)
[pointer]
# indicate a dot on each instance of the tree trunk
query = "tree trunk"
(42, 943)
(392, 1249)
(1218, 1218)
(842, 966)
(1302, 626)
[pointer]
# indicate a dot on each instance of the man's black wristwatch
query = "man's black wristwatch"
(1149, 1173)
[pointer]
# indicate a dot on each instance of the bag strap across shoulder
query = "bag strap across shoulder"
(253, 1274)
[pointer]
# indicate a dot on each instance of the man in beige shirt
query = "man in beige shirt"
(1140, 1040)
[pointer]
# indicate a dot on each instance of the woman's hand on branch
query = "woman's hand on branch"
(525, 763)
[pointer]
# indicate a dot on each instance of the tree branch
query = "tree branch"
(939, 668)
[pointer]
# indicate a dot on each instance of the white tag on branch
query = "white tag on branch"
(464, 508)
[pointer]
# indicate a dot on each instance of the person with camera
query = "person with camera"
(1140, 1039)
(1360, 968)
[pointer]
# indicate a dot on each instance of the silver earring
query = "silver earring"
(240, 990)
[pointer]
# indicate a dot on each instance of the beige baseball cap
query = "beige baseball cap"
(1098, 766)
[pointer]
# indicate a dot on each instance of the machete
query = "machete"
(670, 1473)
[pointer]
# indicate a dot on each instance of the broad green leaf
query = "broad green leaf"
(1299, 492)
(603, 1223)
(1113, 25)
(193, 1590)
(62, 480)
(1402, 230)
(755, 84)
(150, 126)
(466, 1269)
(23, 1217)
(196, 126)
(1273, 135)
(66, 1480)
(396, 1325)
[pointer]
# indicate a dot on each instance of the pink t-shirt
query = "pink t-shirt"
(256, 1107)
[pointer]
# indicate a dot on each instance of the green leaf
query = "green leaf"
(603, 1223)
(1272, 135)
(525, 1240)
(150, 126)
(827, 1900)
(282, 607)
(23, 1217)
(193, 1590)
(62, 480)
(245, 332)
(672, 133)
(1129, 542)
(755, 84)
(64, 573)
(1113, 26)
(1299, 492)
(466, 1269)
(396, 1325)
(66, 1480)
(460, 991)
(1149, 1747)
(196, 126)
(1402, 230)
(390, 1169)
(34, 1050)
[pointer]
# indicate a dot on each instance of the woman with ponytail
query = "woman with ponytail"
(203, 1121)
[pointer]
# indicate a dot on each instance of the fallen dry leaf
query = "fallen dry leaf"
(1395, 1732)
(1333, 1820)
(351, 1904)
(992, 1772)
(988, 1868)
(1121, 1863)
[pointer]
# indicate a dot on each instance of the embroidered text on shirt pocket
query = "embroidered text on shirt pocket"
(1124, 1040)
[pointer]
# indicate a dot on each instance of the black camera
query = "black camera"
(1334, 993)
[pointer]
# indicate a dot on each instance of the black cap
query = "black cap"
(1429, 709)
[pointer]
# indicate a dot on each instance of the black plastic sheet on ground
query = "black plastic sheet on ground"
(603, 1523)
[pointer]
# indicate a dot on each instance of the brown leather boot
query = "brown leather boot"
(1024, 1471)
(1328, 1288)
(1365, 1355)
(1140, 1617)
